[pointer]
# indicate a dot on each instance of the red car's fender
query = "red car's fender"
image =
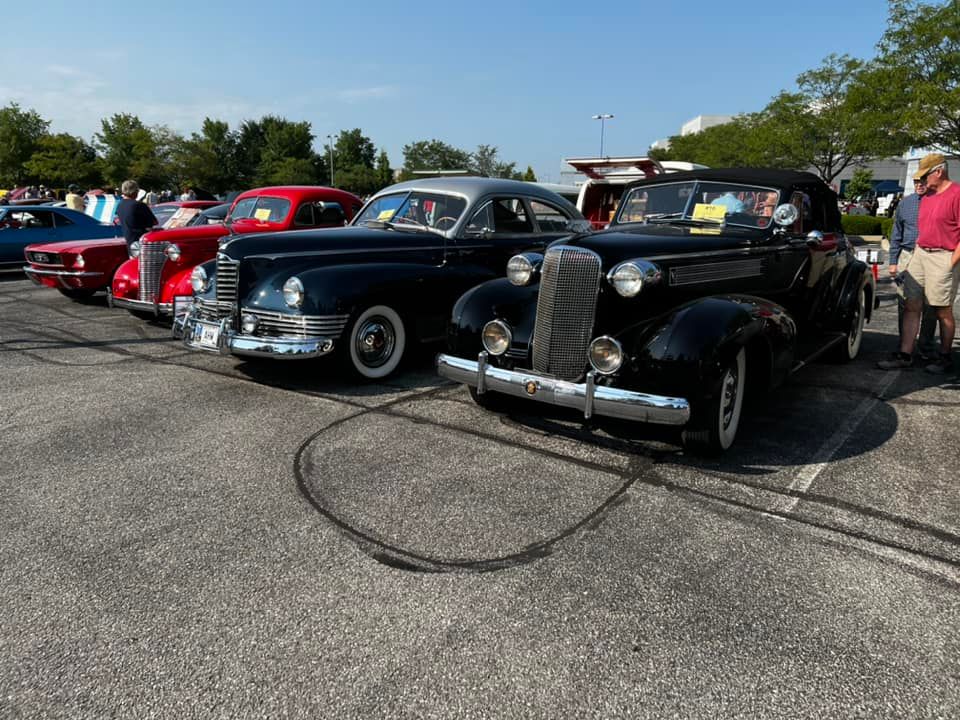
(64, 268)
(126, 280)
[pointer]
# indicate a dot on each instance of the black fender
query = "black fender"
(855, 275)
(685, 351)
(494, 299)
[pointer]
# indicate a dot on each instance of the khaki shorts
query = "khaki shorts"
(928, 275)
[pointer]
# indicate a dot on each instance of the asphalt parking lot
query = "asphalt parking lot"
(184, 535)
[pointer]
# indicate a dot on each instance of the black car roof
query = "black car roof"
(758, 176)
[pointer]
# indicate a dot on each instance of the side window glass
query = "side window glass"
(510, 216)
(801, 201)
(328, 213)
(482, 220)
(304, 216)
(61, 220)
(549, 218)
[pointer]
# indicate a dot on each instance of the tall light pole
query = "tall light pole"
(330, 147)
(602, 118)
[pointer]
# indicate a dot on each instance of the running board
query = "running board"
(810, 358)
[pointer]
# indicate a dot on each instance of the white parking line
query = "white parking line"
(806, 477)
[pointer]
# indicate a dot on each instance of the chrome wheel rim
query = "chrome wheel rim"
(375, 341)
(728, 402)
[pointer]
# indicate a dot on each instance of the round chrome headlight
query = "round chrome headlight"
(293, 292)
(627, 279)
(248, 323)
(198, 279)
(79, 262)
(134, 249)
(785, 214)
(605, 355)
(496, 337)
(519, 270)
(173, 252)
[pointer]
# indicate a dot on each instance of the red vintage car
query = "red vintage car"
(157, 280)
(55, 264)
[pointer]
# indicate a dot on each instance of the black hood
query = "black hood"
(316, 243)
(639, 241)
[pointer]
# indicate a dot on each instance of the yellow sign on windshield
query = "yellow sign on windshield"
(385, 215)
(704, 211)
(262, 214)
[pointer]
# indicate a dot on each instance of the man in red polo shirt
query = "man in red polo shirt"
(934, 269)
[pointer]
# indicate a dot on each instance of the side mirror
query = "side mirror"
(579, 226)
(475, 232)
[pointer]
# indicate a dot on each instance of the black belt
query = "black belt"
(935, 249)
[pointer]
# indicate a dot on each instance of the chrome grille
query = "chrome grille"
(213, 310)
(274, 324)
(152, 258)
(227, 278)
(570, 281)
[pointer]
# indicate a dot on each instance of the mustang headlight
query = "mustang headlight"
(605, 355)
(198, 279)
(79, 262)
(293, 292)
(627, 279)
(496, 337)
(134, 249)
(173, 252)
(521, 269)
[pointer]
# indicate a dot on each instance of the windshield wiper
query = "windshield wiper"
(662, 216)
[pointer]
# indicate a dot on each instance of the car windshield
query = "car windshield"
(436, 211)
(730, 203)
(163, 213)
(262, 208)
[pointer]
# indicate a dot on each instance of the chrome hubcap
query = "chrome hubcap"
(375, 341)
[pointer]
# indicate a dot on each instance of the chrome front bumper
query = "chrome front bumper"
(186, 327)
(588, 397)
(34, 273)
(140, 305)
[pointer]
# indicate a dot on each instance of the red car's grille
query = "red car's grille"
(44, 258)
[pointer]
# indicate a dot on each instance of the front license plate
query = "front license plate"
(206, 334)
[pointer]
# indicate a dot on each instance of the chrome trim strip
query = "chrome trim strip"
(607, 401)
(60, 273)
(728, 251)
(351, 251)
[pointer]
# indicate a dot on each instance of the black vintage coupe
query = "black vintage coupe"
(708, 284)
(369, 289)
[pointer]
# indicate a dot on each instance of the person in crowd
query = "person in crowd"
(151, 198)
(903, 239)
(74, 198)
(188, 194)
(135, 217)
(934, 269)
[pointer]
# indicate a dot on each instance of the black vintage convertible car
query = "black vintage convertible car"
(369, 289)
(708, 284)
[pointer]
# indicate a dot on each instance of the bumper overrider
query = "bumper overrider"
(587, 397)
(190, 328)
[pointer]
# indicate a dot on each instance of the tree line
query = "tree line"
(269, 151)
(848, 111)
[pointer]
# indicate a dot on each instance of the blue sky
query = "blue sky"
(524, 76)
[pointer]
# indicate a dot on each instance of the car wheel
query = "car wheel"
(376, 342)
(713, 426)
(849, 347)
(77, 294)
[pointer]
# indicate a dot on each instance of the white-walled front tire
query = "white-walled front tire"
(376, 342)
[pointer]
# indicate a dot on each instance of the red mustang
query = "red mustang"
(56, 264)
(157, 280)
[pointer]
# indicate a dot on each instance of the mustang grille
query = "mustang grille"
(714, 272)
(570, 280)
(227, 278)
(152, 259)
(275, 324)
(43, 258)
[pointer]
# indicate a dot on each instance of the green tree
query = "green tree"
(20, 134)
(486, 163)
(286, 155)
(747, 140)
(433, 155)
(830, 122)
(130, 149)
(860, 184)
(353, 148)
(62, 159)
(208, 159)
(384, 171)
(529, 175)
(916, 75)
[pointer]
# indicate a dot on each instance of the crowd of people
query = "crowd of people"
(925, 265)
